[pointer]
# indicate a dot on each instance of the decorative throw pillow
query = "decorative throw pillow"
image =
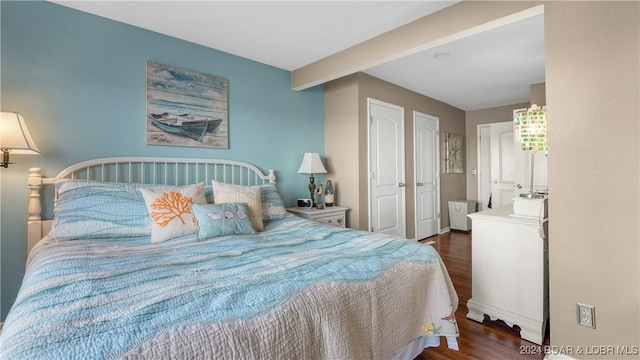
(87, 209)
(222, 219)
(248, 195)
(170, 210)
(272, 204)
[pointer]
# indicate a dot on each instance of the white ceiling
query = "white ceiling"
(492, 68)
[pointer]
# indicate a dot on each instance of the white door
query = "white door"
(426, 154)
(503, 172)
(386, 168)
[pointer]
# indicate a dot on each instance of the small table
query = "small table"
(330, 215)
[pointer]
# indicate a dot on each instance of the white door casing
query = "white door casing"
(427, 175)
(386, 168)
(503, 174)
(484, 166)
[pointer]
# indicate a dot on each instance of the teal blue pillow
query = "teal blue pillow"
(272, 204)
(222, 219)
(93, 210)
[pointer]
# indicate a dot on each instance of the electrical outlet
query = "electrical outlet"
(586, 315)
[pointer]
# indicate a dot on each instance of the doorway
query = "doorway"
(427, 176)
(497, 175)
(387, 200)
(504, 169)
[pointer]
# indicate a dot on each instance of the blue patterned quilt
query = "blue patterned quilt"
(298, 289)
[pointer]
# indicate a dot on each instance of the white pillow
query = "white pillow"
(248, 195)
(170, 210)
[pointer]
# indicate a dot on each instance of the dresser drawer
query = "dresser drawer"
(335, 220)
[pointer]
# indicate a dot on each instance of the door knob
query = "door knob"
(419, 184)
(400, 184)
(519, 186)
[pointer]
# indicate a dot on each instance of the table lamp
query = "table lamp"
(530, 130)
(312, 164)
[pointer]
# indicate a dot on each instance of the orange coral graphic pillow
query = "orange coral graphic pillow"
(170, 210)
(170, 206)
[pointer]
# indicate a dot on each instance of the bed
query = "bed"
(102, 282)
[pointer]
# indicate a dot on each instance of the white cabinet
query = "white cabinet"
(510, 271)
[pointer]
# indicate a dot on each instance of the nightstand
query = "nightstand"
(330, 215)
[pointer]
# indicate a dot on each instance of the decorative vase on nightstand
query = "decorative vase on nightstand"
(328, 194)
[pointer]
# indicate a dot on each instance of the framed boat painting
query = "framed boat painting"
(186, 108)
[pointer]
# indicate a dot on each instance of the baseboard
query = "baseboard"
(445, 230)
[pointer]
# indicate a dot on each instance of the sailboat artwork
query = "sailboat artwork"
(185, 125)
(186, 108)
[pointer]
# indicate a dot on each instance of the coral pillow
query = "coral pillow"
(170, 210)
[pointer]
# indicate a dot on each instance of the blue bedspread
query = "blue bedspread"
(97, 299)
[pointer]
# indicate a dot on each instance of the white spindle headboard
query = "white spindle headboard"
(143, 170)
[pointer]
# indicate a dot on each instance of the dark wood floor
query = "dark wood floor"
(491, 340)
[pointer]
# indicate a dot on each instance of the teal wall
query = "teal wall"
(79, 81)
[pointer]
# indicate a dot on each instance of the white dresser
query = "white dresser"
(510, 271)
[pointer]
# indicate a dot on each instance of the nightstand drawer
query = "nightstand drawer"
(335, 220)
(331, 215)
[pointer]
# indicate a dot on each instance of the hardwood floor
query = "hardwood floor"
(491, 340)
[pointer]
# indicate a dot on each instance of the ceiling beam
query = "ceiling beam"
(449, 24)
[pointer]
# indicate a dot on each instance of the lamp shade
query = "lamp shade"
(311, 164)
(14, 135)
(530, 128)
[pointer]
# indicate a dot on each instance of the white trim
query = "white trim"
(369, 225)
(479, 174)
(445, 230)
